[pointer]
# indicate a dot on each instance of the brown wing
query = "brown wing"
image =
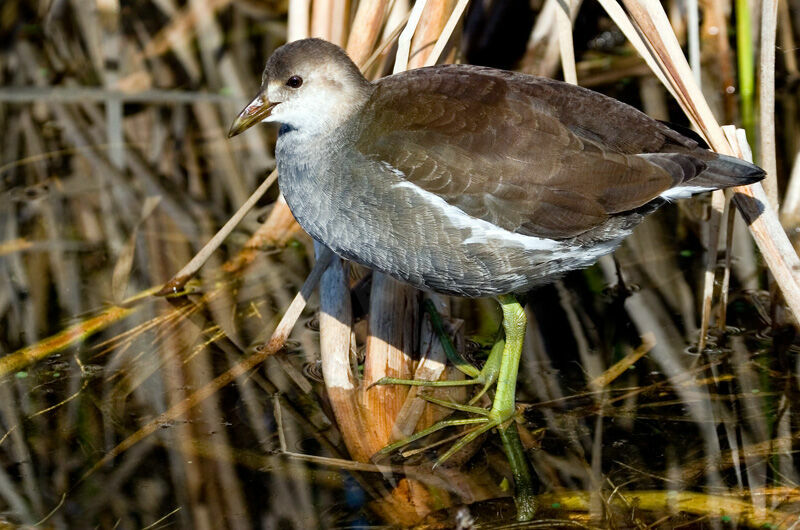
(531, 155)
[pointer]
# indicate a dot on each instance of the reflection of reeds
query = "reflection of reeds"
(113, 106)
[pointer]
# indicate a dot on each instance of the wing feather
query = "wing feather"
(531, 155)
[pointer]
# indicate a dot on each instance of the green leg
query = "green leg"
(486, 376)
(502, 366)
(514, 322)
(504, 405)
(525, 481)
(438, 327)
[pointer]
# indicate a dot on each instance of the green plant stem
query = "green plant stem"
(744, 56)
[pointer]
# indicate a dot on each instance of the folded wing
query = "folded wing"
(531, 155)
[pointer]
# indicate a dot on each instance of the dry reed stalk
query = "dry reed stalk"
(722, 310)
(447, 32)
(693, 36)
(277, 230)
(715, 31)
(618, 368)
(717, 45)
(178, 281)
(341, 382)
(778, 253)
(340, 22)
(625, 25)
(403, 54)
(543, 56)
(713, 227)
(787, 45)
(321, 18)
(393, 312)
(396, 19)
(565, 46)
(718, 198)
(111, 45)
(790, 209)
(368, 22)
(766, 100)
(432, 25)
(298, 22)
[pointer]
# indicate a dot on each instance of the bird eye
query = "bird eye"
(294, 82)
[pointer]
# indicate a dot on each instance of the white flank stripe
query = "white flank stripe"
(683, 192)
(481, 231)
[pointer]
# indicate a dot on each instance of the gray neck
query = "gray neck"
(310, 174)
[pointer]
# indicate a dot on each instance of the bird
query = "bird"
(470, 181)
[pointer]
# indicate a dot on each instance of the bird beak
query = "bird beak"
(253, 113)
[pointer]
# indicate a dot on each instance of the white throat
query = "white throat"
(318, 110)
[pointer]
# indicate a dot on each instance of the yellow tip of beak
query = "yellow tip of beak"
(253, 113)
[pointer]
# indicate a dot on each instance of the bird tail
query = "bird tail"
(726, 172)
(693, 175)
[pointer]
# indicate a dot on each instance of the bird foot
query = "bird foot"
(486, 377)
(503, 406)
(487, 420)
(501, 368)
(500, 413)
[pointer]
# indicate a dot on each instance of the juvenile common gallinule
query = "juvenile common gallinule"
(470, 181)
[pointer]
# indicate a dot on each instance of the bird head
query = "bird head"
(308, 85)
